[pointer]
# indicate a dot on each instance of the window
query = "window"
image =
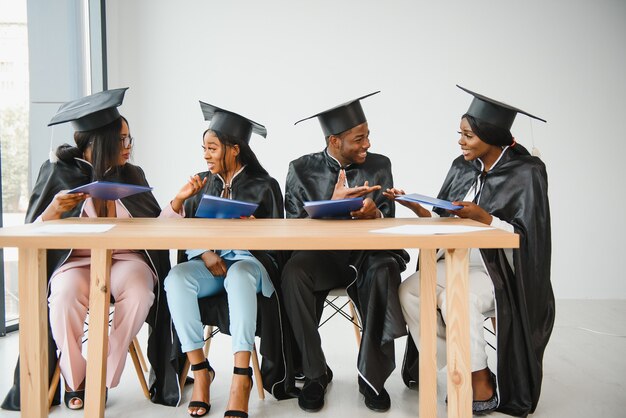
(14, 102)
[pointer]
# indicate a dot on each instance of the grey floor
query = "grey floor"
(584, 373)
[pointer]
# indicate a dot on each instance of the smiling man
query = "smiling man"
(344, 169)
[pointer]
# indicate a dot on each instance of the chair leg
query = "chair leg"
(355, 324)
(183, 374)
(208, 330)
(257, 373)
(142, 358)
(54, 383)
(132, 348)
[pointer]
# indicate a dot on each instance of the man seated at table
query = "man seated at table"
(344, 169)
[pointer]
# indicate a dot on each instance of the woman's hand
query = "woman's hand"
(191, 188)
(472, 211)
(61, 203)
(214, 263)
(343, 192)
(367, 211)
(418, 209)
(392, 193)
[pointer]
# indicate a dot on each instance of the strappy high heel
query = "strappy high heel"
(199, 404)
(246, 372)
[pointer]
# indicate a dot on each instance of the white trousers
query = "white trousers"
(481, 306)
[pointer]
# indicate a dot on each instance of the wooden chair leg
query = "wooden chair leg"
(208, 330)
(183, 374)
(142, 359)
(355, 324)
(132, 348)
(54, 383)
(257, 372)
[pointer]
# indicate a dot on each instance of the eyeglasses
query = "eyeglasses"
(127, 141)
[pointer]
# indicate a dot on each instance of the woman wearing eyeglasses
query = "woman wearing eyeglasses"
(102, 150)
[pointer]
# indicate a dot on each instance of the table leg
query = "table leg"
(457, 334)
(428, 334)
(97, 346)
(33, 332)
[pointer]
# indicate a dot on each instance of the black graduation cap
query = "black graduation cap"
(231, 123)
(92, 111)
(493, 111)
(341, 118)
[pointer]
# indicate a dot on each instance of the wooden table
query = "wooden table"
(256, 234)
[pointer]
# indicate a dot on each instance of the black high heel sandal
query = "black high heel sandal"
(199, 404)
(246, 372)
(70, 396)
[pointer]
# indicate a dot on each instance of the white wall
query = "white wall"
(279, 61)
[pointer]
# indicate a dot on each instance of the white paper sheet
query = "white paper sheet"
(429, 229)
(74, 228)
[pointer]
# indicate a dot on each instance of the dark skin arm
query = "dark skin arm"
(193, 186)
(61, 203)
(343, 192)
(367, 211)
(418, 209)
(214, 263)
(472, 211)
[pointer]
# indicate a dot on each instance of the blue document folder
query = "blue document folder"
(107, 190)
(420, 198)
(339, 208)
(218, 207)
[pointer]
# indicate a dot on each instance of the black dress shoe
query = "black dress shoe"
(311, 397)
(378, 403)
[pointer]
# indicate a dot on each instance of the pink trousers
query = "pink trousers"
(132, 284)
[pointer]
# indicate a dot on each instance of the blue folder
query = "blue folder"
(339, 208)
(107, 190)
(218, 207)
(420, 198)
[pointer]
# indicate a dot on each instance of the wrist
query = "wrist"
(176, 204)
(50, 214)
(422, 212)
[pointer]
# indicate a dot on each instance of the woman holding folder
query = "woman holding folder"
(233, 173)
(498, 183)
(102, 150)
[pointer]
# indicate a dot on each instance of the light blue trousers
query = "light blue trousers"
(188, 281)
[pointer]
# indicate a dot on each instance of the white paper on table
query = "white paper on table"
(74, 228)
(430, 229)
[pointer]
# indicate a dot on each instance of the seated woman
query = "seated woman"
(498, 183)
(103, 148)
(234, 173)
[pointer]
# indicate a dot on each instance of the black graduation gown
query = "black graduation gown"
(516, 191)
(313, 177)
(265, 191)
(65, 175)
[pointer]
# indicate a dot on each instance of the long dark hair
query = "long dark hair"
(105, 149)
(246, 156)
(491, 134)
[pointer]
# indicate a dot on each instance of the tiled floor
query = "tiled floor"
(584, 366)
